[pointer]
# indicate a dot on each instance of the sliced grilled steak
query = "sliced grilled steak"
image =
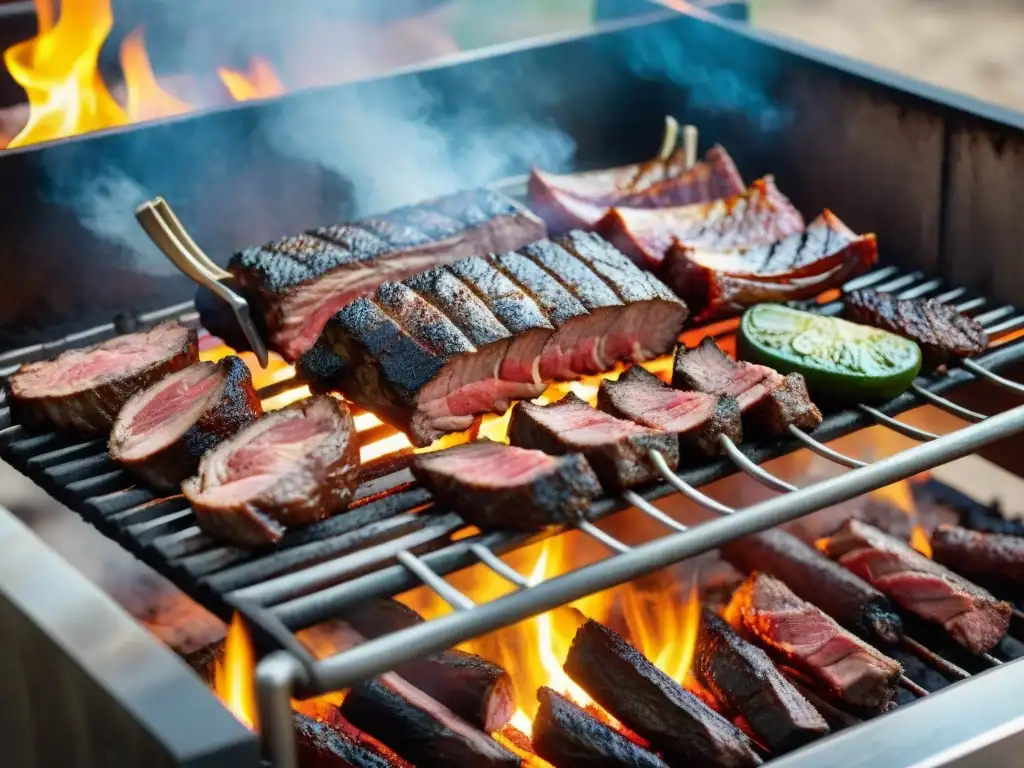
(723, 280)
(568, 737)
(431, 354)
(684, 729)
(580, 199)
(760, 214)
(980, 555)
(943, 333)
(845, 597)
(696, 418)
(420, 729)
(290, 468)
(975, 618)
(163, 431)
(769, 401)
(478, 691)
(812, 642)
(297, 283)
(492, 485)
(742, 677)
(616, 449)
(85, 389)
(320, 745)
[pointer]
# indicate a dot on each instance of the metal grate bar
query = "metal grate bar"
(652, 511)
(947, 405)
(684, 487)
(994, 378)
(499, 566)
(446, 591)
(823, 450)
(605, 538)
(745, 465)
(897, 426)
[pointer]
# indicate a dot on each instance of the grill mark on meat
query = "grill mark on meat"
(450, 297)
(974, 618)
(943, 333)
(555, 301)
(629, 282)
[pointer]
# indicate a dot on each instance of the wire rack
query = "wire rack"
(395, 538)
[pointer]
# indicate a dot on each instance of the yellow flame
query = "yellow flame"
(234, 673)
(259, 82)
(919, 540)
(146, 99)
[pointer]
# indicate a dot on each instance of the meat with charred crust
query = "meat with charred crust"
(616, 449)
(338, 745)
(975, 619)
(295, 284)
(745, 680)
(994, 556)
(845, 597)
(580, 199)
(84, 389)
(812, 642)
(292, 467)
(568, 737)
(769, 401)
(492, 485)
(419, 729)
(696, 418)
(684, 729)
(943, 333)
(163, 431)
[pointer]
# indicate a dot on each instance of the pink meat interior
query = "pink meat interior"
(260, 455)
(81, 369)
(494, 465)
(160, 415)
(579, 424)
(724, 376)
(671, 410)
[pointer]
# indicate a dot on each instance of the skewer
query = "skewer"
(988, 658)
(909, 685)
(690, 145)
(167, 233)
(670, 139)
(932, 659)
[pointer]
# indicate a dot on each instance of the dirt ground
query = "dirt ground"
(974, 46)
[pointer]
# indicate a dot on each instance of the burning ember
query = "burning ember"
(66, 94)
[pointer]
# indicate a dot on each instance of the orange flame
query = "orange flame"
(146, 99)
(901, 496)
(234, 673)
(259, 82)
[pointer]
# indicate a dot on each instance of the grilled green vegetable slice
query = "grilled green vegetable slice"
(840, 360)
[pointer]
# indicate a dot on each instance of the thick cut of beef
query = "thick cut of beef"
(297, 283)
(696, 418)
(745, 680)
(580, 199)
(568, 737)
(769, 401)
(678, 724)
(433, 353)
(616, 449)
(812, 642)
(337, 744)
(290, 468)
(942, 332)
(993, 556)
(721, 280)
(760, 214)
(420, 729)
(975, 618)
(163, 431)
(492, 485)
(85, 389)
(845, 597)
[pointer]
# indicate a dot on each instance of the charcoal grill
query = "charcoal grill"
(922, 164)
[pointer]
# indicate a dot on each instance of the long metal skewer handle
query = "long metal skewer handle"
(166, 232)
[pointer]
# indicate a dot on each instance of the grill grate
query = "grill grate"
(394, 538)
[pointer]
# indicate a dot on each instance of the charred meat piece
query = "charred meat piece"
(743, 677)
(845, 597)
(478, 691)
(419, 729)
(942, 332)
(580, 199)
(760, 214)
(617, 450)
(163, 431)
(297, 283)
(723, 280)
(806, 638)
(980, 555)
(85, 389)
(976, 619)
(568, 737)
(696, 418)
(290, 468)
(323, 745)
(492, 485)
(431, 354)
(650, 703)
(769, 401)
